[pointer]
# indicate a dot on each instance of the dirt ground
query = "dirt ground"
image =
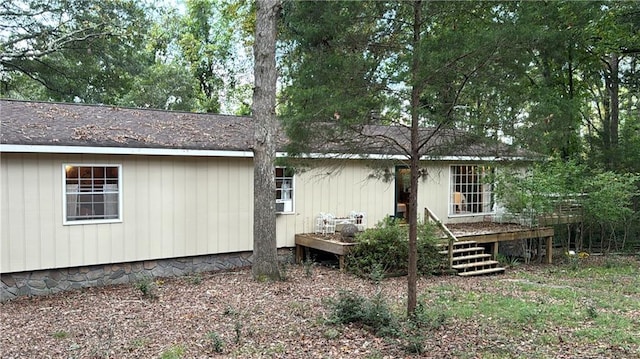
(230, 315)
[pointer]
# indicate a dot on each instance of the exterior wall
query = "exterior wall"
(434, 192)
(177, 207)
(172, 207)
(337, 191)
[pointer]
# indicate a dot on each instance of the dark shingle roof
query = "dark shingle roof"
(43, 123)
(67, 124)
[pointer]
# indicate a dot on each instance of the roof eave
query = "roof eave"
(147, 151)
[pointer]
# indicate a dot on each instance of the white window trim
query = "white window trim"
(450, 195)
(64, 195)
(293, 194)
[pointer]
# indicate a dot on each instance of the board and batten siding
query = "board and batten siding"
(172, 207)
(337, 191)
(435, 192)
(175, 206)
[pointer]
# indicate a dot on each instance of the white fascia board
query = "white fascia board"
(343, 156)
(123, 151)
(475, 158)
(222, 153)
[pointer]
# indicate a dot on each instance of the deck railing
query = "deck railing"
(452, 238)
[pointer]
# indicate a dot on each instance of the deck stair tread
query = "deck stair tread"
(482, 271)
(464, 250)
(475, 264)
(471, 257)
(458, 244)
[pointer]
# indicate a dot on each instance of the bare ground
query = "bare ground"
(249, 320)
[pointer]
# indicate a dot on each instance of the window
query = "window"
(284, 190)
(470, 192)
(92, 193)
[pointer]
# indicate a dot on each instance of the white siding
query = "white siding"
(178, 206)
(435, 192)
(172, 207)
(336, 191)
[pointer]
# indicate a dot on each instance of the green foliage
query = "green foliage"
(70, 50)
(308, 264)
(237, 328)
(539, 189)
(174, 352)
(604, 199)
(384, 251)
(217, 344)
(331, 333)
(424, 321)
(195, 279)
(429, 318)
(213, 40)
(373, 313)
(60, 334)
(147, 287)
(609, 197)
(162, 86)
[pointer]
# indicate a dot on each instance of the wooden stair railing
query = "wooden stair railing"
(470, 258)
(451, 236)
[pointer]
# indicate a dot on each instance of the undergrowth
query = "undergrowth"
(383, 251)
(375, 315)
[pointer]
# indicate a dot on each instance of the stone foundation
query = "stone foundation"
(52, 281)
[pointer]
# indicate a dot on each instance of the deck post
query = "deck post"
(550, 250)
(299, 251)
(495, 250)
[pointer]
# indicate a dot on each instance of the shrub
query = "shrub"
(373, 313)
(147, 287)
(217, 344)
(386, 248)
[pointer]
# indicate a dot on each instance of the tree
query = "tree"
(213, 40)
(265, 255)
(347, 60)
(73, 50)
(162, 86)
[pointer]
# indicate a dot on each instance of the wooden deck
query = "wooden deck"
(484, 232)
(322, 243)
(494, 233)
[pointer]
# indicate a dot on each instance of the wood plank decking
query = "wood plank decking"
(493, 235)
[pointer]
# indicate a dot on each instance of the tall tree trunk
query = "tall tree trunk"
(414, 165)
(611, 118)
(613, 87)
(265, 255)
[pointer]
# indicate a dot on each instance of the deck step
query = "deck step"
(471, 257)
(457, 244)
(463, 250)
(474, 265)
(482, 271)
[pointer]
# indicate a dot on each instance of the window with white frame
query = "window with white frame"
(92, 193)
(284, 190)
(470, 191)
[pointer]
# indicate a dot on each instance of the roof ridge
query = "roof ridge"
(98, 105)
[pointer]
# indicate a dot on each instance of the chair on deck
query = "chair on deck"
(459, 201)
(359, 219)
(325, 223)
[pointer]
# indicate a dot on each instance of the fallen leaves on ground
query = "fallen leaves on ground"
(220, 315)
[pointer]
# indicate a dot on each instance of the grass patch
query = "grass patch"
(545, 307)
(60, 334)
(174, 352)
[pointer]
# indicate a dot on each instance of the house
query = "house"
(96, 195)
